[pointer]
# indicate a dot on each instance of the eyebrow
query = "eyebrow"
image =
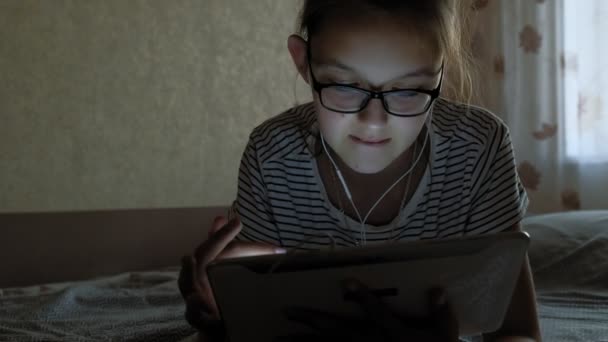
(424, 71)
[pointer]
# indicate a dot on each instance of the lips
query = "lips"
(369, 141)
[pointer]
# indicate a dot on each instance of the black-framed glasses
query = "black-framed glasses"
(348, 99)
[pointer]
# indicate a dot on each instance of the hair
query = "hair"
(445, 22)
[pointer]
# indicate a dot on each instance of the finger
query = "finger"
(206, 253)
(186, 280)
(218, 223)
(199, 316)
(442, 314)
(385, 322)
(213, 246)
(246, 249)
(197, 286)
(188, 283)
(196, 290)
(372, 305)
(208, 297)
(203, 293)
(437, 298)
(327, 324)
(197, 311)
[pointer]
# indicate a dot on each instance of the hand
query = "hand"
(201, 308)
(379, 323)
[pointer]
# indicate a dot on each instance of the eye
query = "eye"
(406, 93)
(344, 83)
(343, 88)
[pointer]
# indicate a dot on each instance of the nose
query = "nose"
(373, 114)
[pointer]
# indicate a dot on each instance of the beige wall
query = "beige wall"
(123, 104)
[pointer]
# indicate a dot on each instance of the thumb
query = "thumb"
(246, 249)
(442, 314)
(186, 280)
(218, 223)
(437, 299)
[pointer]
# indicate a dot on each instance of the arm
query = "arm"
(248, 232)
(521, 320)
(252, 205)
(499, 204)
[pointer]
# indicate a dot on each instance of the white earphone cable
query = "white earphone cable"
(349, 195)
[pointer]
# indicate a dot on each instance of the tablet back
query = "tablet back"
(478, 274)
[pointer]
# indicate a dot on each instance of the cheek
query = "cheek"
(407, 129)
(332, 124)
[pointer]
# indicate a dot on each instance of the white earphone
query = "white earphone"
(348, 193)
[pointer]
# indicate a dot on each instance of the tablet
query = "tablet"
(478, 274)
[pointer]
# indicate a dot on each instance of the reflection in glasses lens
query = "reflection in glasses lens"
(347, 99)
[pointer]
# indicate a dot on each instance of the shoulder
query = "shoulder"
(284, 134)
(454, 120)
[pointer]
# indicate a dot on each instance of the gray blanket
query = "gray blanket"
(144, 306)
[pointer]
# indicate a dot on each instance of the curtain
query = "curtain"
(543, 68)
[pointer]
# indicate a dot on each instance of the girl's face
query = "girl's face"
(377, 54)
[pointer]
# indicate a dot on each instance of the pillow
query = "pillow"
(569, 250)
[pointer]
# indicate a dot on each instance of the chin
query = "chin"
(367, 167)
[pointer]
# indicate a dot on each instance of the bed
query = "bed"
(569, 258)
(96, 296)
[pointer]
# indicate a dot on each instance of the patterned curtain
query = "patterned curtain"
(543, 69)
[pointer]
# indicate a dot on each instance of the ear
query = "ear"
(297, 50)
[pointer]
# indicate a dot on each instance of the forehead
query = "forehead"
(377, 47)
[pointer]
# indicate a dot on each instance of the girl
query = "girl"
(378, 156)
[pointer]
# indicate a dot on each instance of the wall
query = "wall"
(131, 104)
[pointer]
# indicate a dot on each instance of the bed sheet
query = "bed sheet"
(138, 306)
(574, 315)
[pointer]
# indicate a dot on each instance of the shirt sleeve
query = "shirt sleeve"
(501, 200)
(252, 205)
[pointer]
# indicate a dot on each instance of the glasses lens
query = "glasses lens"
(407, 102)
(341, 98)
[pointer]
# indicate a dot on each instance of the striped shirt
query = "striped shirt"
(470, 185)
